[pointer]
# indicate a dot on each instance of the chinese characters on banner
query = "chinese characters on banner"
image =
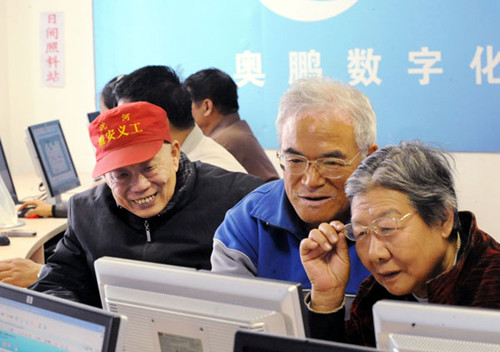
(52, 48)
(363, 66)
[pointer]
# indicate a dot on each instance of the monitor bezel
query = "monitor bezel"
(251, 341)
(473, 324)
(10, 187)
(40, 165)
(113, 323)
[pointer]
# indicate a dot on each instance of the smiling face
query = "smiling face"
(317, 199)
(404, 261)
(145, 188)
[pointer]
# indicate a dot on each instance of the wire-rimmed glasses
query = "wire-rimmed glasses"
(384, 226)
(327, 167)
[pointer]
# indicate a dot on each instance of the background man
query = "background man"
(156, 205)
(325, 128)
(215, 109)
(161, 86)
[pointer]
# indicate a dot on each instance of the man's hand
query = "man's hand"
(42, 209)
(325, 258)
(19, 271)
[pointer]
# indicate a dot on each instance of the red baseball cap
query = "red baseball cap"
(128, 134)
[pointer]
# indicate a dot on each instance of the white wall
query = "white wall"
(23, 101)
(478, 188)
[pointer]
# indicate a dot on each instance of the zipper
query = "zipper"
(148, 233)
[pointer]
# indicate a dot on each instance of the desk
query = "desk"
(45, 228)
(32, 247)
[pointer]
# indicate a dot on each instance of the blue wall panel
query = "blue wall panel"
(458, 108)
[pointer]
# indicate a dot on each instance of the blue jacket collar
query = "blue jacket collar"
(275, 209)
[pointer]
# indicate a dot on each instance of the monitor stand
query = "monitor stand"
(56, 200)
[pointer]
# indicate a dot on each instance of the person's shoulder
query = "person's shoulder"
(209, 151)
(210, 172)
(237, 133)
(92, 194)
(266, 194)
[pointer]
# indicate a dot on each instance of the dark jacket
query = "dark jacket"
(236, 136)
(474, 281)
(180, 235)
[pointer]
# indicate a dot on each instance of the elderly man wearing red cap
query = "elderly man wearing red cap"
(156, 205)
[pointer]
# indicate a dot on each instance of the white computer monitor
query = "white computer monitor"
(410, 326)
(51, 158)
(170, 308)
(34, 321)
(6, 175)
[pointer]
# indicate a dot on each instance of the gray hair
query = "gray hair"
(423, 173)
(320, 95)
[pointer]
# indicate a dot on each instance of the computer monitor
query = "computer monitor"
(33, 321)
(410, 326)
(6, 175)
(251, 341)
(171, 307)
(51, 158)
(91, 116)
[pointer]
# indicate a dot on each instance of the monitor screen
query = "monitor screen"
(171, 308)
(33, 321)
(410, 326)
(251, 341)
(51, 157)
(6, 176)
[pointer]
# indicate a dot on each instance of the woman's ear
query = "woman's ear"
(447, 224)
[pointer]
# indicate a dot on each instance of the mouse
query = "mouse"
(4, 240)
(23, 212)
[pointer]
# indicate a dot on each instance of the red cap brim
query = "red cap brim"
(126, 156)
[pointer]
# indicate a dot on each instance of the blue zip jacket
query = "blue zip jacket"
(260, 236)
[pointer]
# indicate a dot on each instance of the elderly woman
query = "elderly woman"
(409, 234)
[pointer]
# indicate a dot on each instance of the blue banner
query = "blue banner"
(430, 67)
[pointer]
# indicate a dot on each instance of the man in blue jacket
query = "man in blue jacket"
(325, 128)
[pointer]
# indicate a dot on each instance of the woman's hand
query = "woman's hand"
(325, 257)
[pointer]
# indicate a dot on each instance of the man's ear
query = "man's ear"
(373, 148)
(208, 107)
(175, 152)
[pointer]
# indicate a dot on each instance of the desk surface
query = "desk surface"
(46, 228)
(32, 247)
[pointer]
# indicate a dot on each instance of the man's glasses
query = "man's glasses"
(383, 227)
(327, 167)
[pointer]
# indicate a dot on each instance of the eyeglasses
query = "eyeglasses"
(327, 167)
(384, 226)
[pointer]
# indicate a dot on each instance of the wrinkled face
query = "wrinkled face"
(405, 260)
(145, 188)
(315, 198)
